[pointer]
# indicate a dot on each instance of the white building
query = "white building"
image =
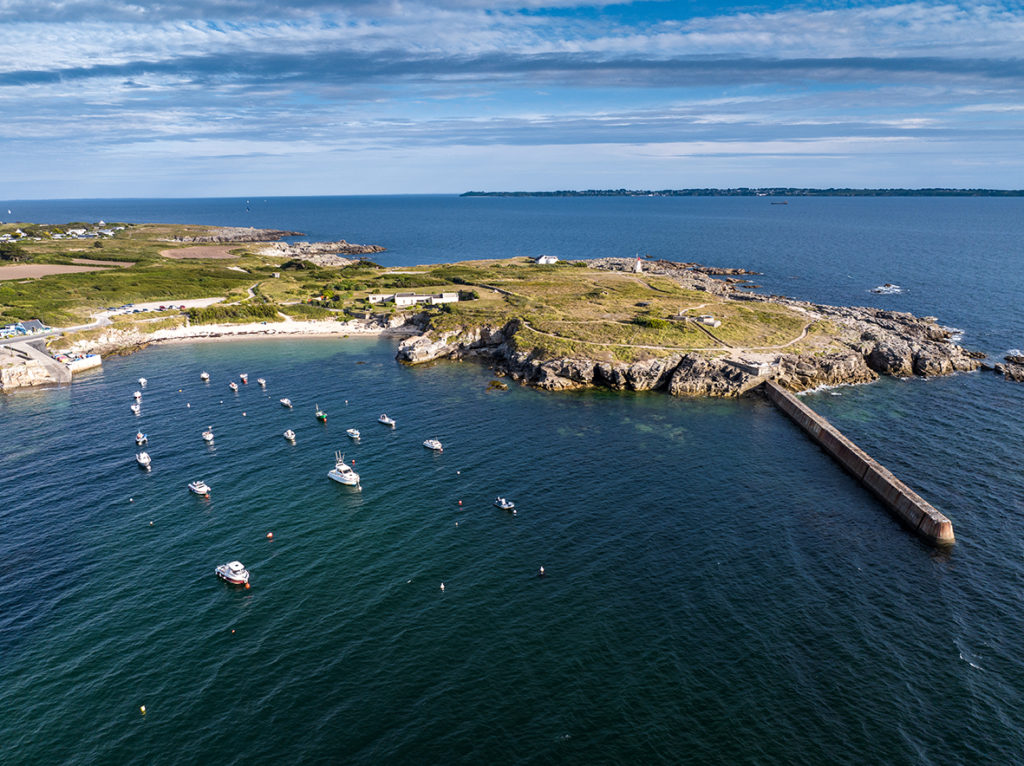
(546, 260)
(403, 300)
(709, 320)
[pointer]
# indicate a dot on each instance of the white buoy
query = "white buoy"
(541, 571)
(442, 586)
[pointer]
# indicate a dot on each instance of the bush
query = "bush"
(653, 323)
(242, 312)
(9, 251)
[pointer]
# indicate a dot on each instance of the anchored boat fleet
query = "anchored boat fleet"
(234, 572)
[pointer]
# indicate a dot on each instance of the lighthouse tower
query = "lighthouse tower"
(638, 267)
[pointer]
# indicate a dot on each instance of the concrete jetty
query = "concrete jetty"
(59, 372)
(909, 507)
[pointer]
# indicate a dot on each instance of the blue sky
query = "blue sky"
(116, 98)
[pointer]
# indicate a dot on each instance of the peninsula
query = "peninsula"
(745, 191)
(618, 323)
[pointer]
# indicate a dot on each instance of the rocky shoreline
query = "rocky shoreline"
(874, 343)
(320, 253)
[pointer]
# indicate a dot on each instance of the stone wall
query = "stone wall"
(909, 507)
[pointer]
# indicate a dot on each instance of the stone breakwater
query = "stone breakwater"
(869, 342)
(320, 253)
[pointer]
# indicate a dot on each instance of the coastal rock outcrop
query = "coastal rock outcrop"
(320, 253)
(230, 234)
(21, 373)
(1014, 372)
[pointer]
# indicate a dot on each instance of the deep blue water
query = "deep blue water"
(716, 590)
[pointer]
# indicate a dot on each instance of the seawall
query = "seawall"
(909, 507)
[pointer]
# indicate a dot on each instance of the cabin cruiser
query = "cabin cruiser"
(143, 382)
(504, 504)
(143, 459)
(208, 434)
(342, 472)
(321, 415)
(200, 487)
(234, 572)
(137, 395)
(286, 402)
(204, 376)
(354, 433)
(136, 408)
(233, 386)
(262, 382)
(386, 420)
(289, 435)
(141, 438)
(244, 377)
(433, 444)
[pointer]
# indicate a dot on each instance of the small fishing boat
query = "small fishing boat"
(286, 402)
(504, 504)
(143, 382)
(354, 433)
(143, 459)
(233, 386)
(342, 472)
(386, 420)
(433, 444)
(137, 395)
(244, 377)
(200, 487)
(262, 382)
(320, 414)
(141, 438)
(289, 435)
(208, 434)
(136, 408)
(234, 572)
(204, 376)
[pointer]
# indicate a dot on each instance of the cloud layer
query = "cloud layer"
(135, 87)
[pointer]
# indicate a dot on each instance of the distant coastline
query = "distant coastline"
(742, 191)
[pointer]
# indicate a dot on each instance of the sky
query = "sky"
(198, 98)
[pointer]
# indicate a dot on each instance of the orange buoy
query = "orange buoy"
(460, 502)
(270, 535)
(247, 586)
(232, 630)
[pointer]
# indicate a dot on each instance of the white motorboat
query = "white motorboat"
(386, 420)
(136, 408)
(143, 382)
(433, 444)
(208, 434)
(204, 376)
(234, 572)
(289, 435)
(262, 382)
(137, 395)
(244, 377)
(200, 487)
(286, 402)
(342, 472)
(143, 459)
(504, 503)
(354, 433)
(141, 438)
(233, 386)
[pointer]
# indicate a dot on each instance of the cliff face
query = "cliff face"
(876, 343)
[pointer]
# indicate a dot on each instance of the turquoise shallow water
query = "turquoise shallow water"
(716, 590)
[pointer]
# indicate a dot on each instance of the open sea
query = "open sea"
(717, 590)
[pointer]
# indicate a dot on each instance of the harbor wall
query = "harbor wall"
(85, 363)
(909, 507)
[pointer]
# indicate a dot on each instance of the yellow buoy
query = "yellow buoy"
(142, 709)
